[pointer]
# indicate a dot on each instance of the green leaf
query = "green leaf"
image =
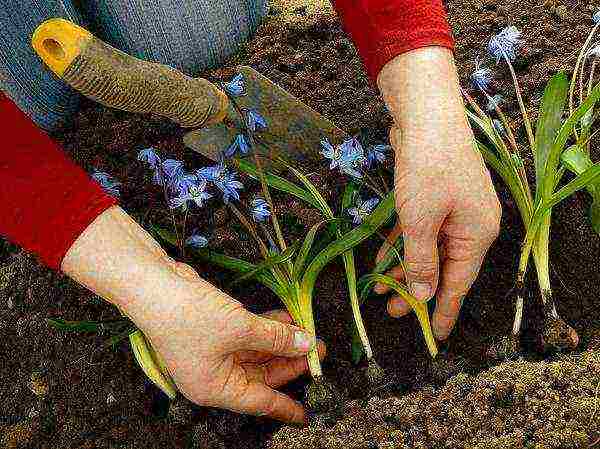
(420, 308)
(269, 263)
(549, 122)
(577, 161)
(75, 326)
(317, 197)
(510, 177)
(377, 218)
(307, 245)
(277, 182)
(561, 139)
(391, 256)
(588, 177)
(359, 343)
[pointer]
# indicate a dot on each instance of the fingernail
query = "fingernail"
(421, 291)
(304, 342)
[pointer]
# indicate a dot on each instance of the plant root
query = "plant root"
(375, 374)
(322, 397)
(556, 335)
(506, 348)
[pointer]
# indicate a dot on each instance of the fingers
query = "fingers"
(281, 370)
(397, 307)
(259, 400)
(421, 259)
(458, 274)
(398, 272)
(273, 337)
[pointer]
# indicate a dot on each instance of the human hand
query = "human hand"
(447, 208)
(218, 353)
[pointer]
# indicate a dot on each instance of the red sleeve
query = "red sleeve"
(46, 201)
(383, 29)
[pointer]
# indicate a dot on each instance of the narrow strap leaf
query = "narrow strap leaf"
(420, 308)
(589, 176)
(549, 122)
(278, 183)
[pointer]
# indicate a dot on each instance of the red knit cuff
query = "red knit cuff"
(82, 210)
(377, 59)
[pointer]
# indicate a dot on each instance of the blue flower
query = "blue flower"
(503, 44)
(494, 102)
(181, 185)
(235, 87)
(196, 194)
(109, 184)
(196, 241)
(260, 209)
(255, 121)
(376, 154)
(172, 168)
(596, 17)
(150, 156)
(239, 144)
(349, 157)
(362, 209)
(223, 179)
(481, 76)
(498, 126)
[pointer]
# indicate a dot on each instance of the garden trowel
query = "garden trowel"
(115, 79)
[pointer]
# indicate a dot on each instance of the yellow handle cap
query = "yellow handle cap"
(58, 42)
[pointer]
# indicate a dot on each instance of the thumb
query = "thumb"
(279, 339)
(421, 260)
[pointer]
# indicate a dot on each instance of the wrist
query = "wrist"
(421, 89)
(118, 260)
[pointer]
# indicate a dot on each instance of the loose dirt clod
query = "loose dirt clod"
(519, 404)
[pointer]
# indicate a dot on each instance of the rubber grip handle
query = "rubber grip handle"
(120, 81)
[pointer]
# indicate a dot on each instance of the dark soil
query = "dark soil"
(64, 390)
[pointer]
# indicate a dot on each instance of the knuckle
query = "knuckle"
(281, 338)
(421, 269)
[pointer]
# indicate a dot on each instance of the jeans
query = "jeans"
(190, 35)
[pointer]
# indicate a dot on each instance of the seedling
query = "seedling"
(536, 200)
(288, 270)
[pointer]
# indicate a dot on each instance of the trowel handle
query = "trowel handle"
(120, 81)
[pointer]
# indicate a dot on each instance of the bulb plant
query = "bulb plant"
(288, 269)
(577, 158)
(534, 200)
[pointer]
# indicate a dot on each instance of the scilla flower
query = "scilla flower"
(235, 87)
(109, 184)
(255, 121)
(504, 44)
(223, 179)
(494, 102)
(362, 209)
(260, 209)
(596, 17)
(481, 76)
(349, 157)
(498, 126)
(377, 154)
(196, 241)
(195, 194)
(239, 144)
(150, 156)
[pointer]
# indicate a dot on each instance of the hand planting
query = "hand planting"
(548, 145)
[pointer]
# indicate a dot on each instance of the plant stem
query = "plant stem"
(528, 127)
(355, 303)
